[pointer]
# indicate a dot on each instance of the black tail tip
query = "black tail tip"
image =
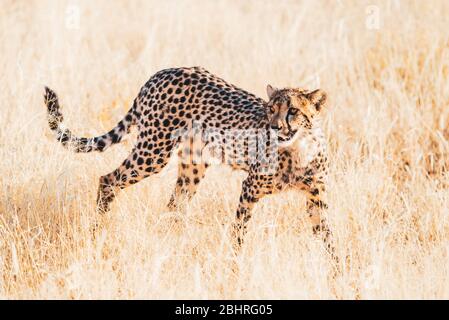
(49, 93)
(51, 100)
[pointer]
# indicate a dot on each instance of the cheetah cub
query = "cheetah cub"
(279, 143)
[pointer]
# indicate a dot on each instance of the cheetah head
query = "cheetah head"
(292, 113)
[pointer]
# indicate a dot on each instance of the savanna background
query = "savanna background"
(385, 67)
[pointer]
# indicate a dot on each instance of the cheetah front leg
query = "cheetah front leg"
(316, 209)
(254, 187)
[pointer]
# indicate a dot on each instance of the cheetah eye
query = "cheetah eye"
(272, 109)
(293, 111)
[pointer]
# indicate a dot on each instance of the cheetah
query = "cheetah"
(279, 143)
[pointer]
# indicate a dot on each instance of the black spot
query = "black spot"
(115, 138)
(101, 144)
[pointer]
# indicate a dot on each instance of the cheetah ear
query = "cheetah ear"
(270, 91)
(318, 99)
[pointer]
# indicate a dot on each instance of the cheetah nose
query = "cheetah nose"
(276, 124)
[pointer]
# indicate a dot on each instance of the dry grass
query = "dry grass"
(387, 125)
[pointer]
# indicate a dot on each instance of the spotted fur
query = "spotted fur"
(176, 102)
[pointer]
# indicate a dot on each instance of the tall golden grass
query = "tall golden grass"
(385, 66)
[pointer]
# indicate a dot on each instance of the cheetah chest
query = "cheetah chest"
(297, 165)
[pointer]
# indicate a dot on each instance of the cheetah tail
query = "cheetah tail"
(78, 144)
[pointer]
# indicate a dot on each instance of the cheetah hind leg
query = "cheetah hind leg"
(134, 169)
(189, 177)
